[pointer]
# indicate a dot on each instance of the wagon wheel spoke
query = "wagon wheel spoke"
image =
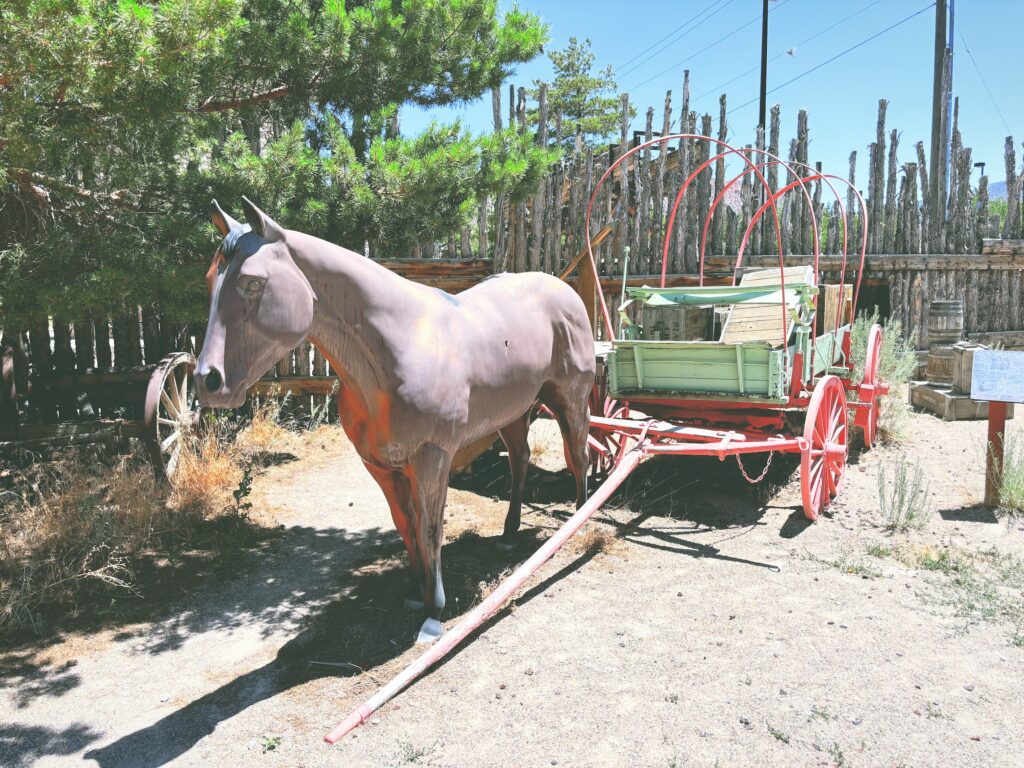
(172, 462)
(169, 406)
(173, 394)
(166, 422)
(168, 441)
(183, 391)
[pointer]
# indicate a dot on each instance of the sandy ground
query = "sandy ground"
(716, 627)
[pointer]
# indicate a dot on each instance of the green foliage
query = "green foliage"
(1011, 480)
(581, 96)
(121, 121)
(999, 208)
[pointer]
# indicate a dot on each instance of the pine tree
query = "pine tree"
(120, 120)
(581, 96)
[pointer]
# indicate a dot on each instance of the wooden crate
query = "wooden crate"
(963, 365)
(830, 302)
(949, 405)
(676, 323)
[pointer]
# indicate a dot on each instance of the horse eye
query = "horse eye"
(251, 286)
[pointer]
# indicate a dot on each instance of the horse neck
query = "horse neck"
(353, 293)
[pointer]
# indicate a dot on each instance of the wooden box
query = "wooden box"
(948, 404)
(676, 323)
(963, 364)
(830, 303)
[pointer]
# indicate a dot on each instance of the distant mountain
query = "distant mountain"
(997, 190)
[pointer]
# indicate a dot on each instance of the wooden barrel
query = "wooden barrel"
(940, 364)
(945, 322)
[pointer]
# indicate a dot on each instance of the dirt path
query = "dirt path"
(716, 628)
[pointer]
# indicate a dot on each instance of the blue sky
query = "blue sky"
(841, 97)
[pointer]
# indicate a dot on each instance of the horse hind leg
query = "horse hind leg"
(516, 439)
(573, 416)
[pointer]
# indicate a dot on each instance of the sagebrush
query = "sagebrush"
(903, 497)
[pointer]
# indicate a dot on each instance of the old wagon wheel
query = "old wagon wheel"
(607, 447)
(872, 360)
(823, 458)
(171, 410)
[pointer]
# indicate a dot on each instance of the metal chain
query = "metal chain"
(759, 478)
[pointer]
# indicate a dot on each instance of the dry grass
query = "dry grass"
(74, 529)
(264, 430)
(208, 473)
(594, 540)
(81, 524)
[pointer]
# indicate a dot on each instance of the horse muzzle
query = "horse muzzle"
(212, 391)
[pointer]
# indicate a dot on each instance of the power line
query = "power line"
(666, 37)
(837, 56)
(815, 36)
(702, 50)
(982, 78)
(665, 47)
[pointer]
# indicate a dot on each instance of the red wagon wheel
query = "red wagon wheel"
(823, 458)
(171, 410)
(869, 420)
(607, 447)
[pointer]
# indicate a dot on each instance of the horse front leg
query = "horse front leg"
(395, 486)
(428, 478)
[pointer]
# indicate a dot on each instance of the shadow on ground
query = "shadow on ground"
(356, 633)
(350, 620)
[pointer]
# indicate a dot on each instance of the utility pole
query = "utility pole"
(764, 63)
(939, 157)
(949, 90)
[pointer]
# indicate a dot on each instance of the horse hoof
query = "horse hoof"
(412, 605)
(430, 631)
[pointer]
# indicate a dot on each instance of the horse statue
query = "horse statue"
(423, 372)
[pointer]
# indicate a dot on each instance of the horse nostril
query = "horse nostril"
(213, 381)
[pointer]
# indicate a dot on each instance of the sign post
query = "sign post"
(997, 377)
(994, 452)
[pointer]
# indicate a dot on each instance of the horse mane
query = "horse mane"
(229, 245)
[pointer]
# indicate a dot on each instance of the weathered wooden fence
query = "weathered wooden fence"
(55, 361)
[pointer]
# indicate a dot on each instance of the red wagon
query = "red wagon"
(750, 367)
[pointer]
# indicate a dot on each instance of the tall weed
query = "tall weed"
(903, 499)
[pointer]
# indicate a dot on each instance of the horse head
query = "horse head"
(261, 306)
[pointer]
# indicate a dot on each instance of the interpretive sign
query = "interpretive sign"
(998, 376)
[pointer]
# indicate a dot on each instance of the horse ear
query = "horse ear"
(221, 220)
(261, 224)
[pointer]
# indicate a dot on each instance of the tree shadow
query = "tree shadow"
(32, 679)
(364, 629)
(23, 745)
